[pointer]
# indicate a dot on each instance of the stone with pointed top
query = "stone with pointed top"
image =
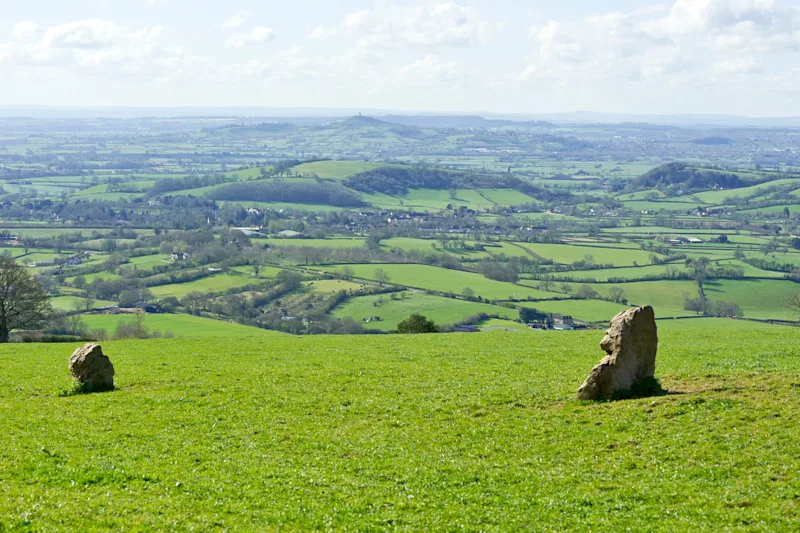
(630, 344)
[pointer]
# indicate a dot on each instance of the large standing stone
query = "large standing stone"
(630, 345)
(91, 368)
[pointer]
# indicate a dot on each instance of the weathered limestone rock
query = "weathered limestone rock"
(91, 368)
(630, 345)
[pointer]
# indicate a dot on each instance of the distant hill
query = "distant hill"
(360, 121)
(255, 130)
(459, 121)
(712, 141)
(686, 177)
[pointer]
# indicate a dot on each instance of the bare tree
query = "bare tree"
(617, 295)
(381, 276)
(793, 303)
(347, 273)
(23, 302)
(75, 324)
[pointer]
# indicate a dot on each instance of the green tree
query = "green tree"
(109, 245)
(529, 314)
(586, 292)
(169, 304)
(79, 282)
(417, 324)
(23, 302)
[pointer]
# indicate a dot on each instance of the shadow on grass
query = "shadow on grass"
(646, 388)
(84, 388)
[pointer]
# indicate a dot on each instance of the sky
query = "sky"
(738, 57)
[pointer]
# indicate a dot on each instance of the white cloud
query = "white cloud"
(755, 25)
(744, 65)
(236, 20)
(24, 29)
(675, 44)
(97, 34)
(98, 46)
(432, 23)
(430, 70)
(258, 35)
(323, 32)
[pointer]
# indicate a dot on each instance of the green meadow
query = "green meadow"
(443, 311)
(565, 253)
(474, 432)
(215, 283)
(445, 280)
(180, 325)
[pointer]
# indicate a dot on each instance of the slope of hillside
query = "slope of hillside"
(434, 433)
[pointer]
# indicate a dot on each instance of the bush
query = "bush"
(586, 292)
(134, 329)
(417, 324)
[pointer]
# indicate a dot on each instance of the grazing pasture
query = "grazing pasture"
(215, 283)
(434, 433)
(445, 280)
(336, 170)
(441, 310)
(180, 325)
(565, 253)
(312, 243)
(586, 310)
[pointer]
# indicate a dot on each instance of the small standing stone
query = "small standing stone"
(630, 345)
(91, 368)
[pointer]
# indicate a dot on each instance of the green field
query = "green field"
(105, 276)
(429, 200)
(430, 245)
(264, 271)
(475, 432)
(627, 273)
(178, 324)
(215, 283)
(443, 311)
(312, 243)
(759, 298)
(565, 253)
(585, 310)
(718, 197)
(146, 262)
(666, 297)
(328, 286)
(665, 206)
(336, 170)
(67, 303)
(444, 280)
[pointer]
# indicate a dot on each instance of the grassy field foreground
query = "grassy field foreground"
(438, 433)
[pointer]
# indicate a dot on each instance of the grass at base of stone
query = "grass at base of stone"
(84, 388)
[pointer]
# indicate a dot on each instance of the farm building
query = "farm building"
(563, 322)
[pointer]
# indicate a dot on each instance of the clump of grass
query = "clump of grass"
(649, 386)
(83, 388)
